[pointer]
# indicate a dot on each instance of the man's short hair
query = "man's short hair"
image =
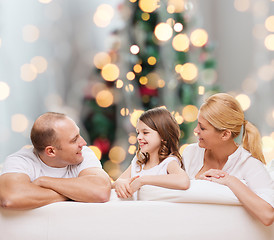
(43, 133)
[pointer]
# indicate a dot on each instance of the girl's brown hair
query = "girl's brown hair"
(161, 120)
(223, 112)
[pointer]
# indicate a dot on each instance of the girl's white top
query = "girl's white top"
(240, 164)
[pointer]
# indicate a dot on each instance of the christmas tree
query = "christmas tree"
(160, 58)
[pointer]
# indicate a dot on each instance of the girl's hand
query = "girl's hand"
(136, 184)
(122, 187)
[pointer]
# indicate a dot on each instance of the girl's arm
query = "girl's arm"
(175, 179)
(255, 205)
(122, 184)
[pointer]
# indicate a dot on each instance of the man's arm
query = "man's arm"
(92, 185)
(18, 192)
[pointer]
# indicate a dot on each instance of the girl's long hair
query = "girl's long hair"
(161, 120)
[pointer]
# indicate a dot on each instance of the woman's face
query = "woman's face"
(207, 135)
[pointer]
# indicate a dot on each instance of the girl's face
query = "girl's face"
(208, 136)
(149, 140)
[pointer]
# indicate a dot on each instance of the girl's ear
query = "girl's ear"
(226, 135)
(50, 151)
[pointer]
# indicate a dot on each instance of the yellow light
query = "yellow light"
(110, 72)
(101, 59)
(134, 49)
(242, 5)
(266, 72)
(124, 112)
(40, 64)
(269, 42)
(175, 6)
(163, 31)
(133, 1)
(132, 149)
(97, 87)
(28, 72)
(119, 83)
(145, 16)
(19, 123)
(201, 90)
(132, 139)
(129, 88)
(190, 113)
(45, 1)
(199, 37)
(143, 80)
(104, 98)
(117, 154)
(178, 27)
(269, 23)
(96, 151)
(130, 76)
(151, 60)
(189, 71)
(103, 15)
(161, 83)
(180, 42)
(182, 148)
(178, 118)
(137, 68)
(30, 33)
(4, 91)
(244, 101)
(153, 79)
(148, 5)
(178, 68)
(135, 116)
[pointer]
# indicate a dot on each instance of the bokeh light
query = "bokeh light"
(96, 151)
(269, 42)
(250, 85)
(163, 31)
(117, 154)
(30, 33)
(104, 98)
(135, 116)
(148, 6)
(151, 60)
(124, 112)
(134, 49)
(45, 1)
(199, 37)
(130, 76)
(129, 88)
(4, 91)
(132, 139)
(190, 113)
(112, 169)
(132, 149)
(188, 72)
(137, 68)
(28, 72)
(266, 72)
(182, 148)
(244, 101)
(178, 27)
(201, 90)
(175, 6)
(242, 5)
(143, 80)
(40, 63)
(181, 43)
(179, 119)
(101, 59)
(269, 23)
(153, 79)
(19, 123)
(145, 16)
(103, 15)
(119, 83)
(110, 72)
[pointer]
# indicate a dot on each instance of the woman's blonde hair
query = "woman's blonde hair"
(224, 112)
(161, 120)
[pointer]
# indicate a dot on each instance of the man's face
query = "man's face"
(70, 143)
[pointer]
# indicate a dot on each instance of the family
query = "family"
(61, 167)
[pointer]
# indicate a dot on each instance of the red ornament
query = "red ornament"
(103, 144)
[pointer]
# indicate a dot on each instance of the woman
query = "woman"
(218, 158)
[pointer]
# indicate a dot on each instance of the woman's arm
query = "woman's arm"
(175, 179)
(255, 205)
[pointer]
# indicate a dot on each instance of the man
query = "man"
(58, 167)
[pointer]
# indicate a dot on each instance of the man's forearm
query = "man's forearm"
(88, 188)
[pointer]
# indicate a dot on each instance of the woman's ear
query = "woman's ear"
(226, 135)
(50, 151)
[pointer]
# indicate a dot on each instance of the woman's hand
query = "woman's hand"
(215, 175)
(123, 188)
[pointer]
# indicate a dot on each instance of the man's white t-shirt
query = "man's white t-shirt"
(240, 164)
(26, 161)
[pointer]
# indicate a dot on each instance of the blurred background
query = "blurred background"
(103, 62)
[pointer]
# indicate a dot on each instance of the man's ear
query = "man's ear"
(226, 135)
(50, 151)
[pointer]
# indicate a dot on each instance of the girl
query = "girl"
(218, 158)
(157, 161)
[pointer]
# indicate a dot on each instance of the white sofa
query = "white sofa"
(206, 211)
